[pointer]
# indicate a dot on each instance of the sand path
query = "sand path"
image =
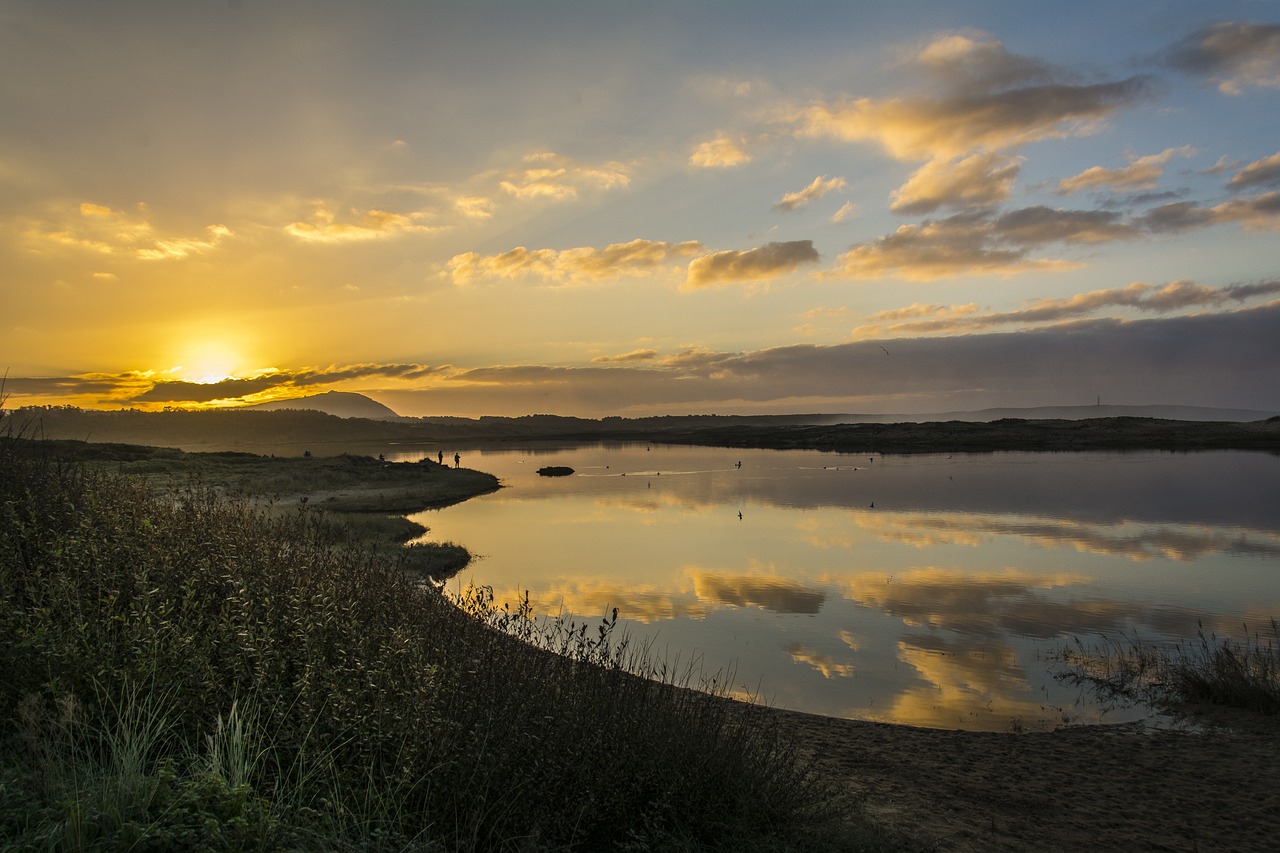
(1112, 788)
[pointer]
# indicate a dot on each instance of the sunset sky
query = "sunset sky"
(632, 208)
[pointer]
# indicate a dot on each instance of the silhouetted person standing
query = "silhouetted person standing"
(457, 460)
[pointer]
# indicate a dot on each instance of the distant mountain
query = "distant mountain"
(342, 404)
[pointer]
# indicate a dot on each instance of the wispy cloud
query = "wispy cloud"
(820, 186)
(566, 266)
(324, 226)
(1142, 173)
(550, 176)
(1260, 173)
(1140, 296)
(1232, 55)
(633, 357)
(986, 242)
(121, 233)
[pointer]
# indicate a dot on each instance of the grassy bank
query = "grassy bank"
(184, 670)
(1236, 672)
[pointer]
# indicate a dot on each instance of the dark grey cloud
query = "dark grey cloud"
(1228, 359)
(1183, 216)
(232, 389)
(1260, 173)
(1034, 226)
(1231, 54)
(766, 262)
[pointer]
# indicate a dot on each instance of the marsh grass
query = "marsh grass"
(1241, 672)
(190, 671)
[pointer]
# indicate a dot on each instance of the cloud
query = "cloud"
(1262, 211)
(1129, 539)
(578, 265)
(846, 211)
(474, 207)
(719, 153)
(985, 604)
(1234, 56)
(1264, 172)
(976, 180)
(824, 663)
(767, 593)
(547, 175)
(817, 189)
(1142, 173)
(637, 355)
(973, 60)
(121, 233)
(984, 102)
(925, 128)
(761, 264)
(982, 242)
(324, 226)
(964, 244)
(281, 384)
(1174, 296)
(1227, 359)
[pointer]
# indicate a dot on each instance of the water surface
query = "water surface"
(923, 589)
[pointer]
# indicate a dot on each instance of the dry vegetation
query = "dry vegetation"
(183, 670)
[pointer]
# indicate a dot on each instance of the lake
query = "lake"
(931, 590)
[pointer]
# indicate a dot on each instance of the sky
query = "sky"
(638, 208)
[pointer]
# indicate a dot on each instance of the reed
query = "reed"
(1239, 672)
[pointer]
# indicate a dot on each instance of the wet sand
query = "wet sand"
(1212, 787)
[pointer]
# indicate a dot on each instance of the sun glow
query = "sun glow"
(206, 361)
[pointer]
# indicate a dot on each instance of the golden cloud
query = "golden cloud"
(550, 176)
(97, 228)
(932, 128)
(823, 663)
(979, 179)
(578, 265)
(820, 186)
(324, 226)
(719, 153)
(1142, 173)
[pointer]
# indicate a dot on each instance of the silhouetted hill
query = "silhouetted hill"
(342, 404)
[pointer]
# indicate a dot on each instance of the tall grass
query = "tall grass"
(186, 671)
(1239, 672)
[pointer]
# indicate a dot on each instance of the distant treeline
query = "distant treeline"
(322, 434)
(229, 429)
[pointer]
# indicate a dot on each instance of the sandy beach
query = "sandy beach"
(1214, 786)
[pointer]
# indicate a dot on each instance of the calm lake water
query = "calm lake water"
(927, 589)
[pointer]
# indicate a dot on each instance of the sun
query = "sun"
(208, 361)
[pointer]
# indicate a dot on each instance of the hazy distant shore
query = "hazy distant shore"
(299, 431)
